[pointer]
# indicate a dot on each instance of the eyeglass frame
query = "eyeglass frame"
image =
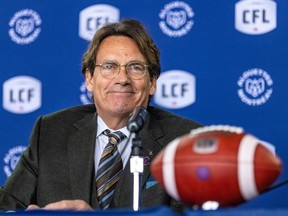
(119, 68)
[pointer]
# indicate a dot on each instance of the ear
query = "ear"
(153, 86)
(89, 80)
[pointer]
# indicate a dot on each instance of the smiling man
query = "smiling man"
(120, 81)
(67, 160)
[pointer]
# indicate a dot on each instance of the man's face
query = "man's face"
(119, 96)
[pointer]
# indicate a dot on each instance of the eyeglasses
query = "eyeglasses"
(135, 70)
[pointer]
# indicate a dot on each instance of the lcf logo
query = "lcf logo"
(21, 94)
(176, 89)
(255, 17)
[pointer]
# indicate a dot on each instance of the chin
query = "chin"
(122, 110)
(125, 108)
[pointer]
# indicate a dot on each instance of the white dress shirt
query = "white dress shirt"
(124, 148)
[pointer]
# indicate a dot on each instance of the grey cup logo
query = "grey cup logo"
(25, 26)
(255, 87)
(11, 159)
(176, 19)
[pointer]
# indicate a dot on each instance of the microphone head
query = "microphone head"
(137, 119)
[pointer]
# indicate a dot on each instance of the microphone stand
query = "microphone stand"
(134, 125)
(136, 167)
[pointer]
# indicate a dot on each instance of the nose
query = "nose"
(123, 75)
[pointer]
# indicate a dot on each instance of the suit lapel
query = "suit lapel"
(151, 134)
(81, 146)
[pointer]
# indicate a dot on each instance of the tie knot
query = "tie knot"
(114, 137)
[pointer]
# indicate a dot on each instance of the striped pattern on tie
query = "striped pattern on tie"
(110, 169)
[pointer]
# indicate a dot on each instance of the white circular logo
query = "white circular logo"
(25, 26)
(11, 159)
(176, 19)
(86, 96)
(175, 89)
(255, 87)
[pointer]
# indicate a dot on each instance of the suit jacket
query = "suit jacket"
(59, 162)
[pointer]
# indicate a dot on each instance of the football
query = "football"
(216, 164)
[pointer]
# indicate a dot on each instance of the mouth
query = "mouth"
(121, 93)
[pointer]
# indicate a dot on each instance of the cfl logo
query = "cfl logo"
(205, 146)
(21, 94)
(255, 17)
(176, 89)
(94, 17)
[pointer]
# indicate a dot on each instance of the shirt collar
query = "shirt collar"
(101, 126)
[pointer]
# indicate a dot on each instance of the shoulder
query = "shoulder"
(64, 121)
(72, 112)
(167, 118)
(67, 116)
(165, 126)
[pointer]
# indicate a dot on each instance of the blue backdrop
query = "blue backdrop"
(223, 62)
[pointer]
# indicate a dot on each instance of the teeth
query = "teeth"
(226, 128)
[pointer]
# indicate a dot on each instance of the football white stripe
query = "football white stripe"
(246, 177)
(168, 170)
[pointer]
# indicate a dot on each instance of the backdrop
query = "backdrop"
(223, 62)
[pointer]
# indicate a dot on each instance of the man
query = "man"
(59, 168)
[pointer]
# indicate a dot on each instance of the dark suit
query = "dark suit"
(59, 163)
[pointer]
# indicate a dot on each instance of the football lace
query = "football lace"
(226, 128)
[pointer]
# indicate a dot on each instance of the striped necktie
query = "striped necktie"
(110, 169)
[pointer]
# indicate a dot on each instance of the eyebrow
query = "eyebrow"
(115, 61)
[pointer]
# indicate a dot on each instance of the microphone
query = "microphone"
(137, 119)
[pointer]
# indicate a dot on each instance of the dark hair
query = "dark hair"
(132, 29)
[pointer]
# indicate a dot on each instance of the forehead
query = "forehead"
(120, 47)
(117, 39)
